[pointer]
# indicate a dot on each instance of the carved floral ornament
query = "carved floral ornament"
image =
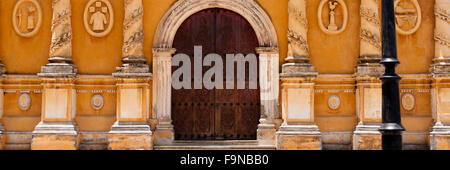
(27, 17)
(408, 16)
(98, 17)
(333, 7)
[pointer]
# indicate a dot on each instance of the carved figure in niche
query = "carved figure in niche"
(98, 18)
(336, 12)
(30, 20)
(408, 16)
(332, 5)
(27, 16)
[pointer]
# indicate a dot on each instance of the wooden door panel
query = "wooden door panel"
(219, 113)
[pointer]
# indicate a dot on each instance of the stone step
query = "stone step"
(215, 145)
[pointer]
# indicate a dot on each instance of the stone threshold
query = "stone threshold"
(214, 145)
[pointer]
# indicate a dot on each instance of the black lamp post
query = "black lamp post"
(391, 128)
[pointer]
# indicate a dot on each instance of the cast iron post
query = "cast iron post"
(391, 128)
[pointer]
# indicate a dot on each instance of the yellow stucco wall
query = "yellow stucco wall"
(330, 54)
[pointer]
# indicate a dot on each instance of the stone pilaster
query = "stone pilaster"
(440, 134)
(269, 84)
(57, 129)
(131, 130)
(2, 128)
(298, 130)
(368, 71)
(162, 88)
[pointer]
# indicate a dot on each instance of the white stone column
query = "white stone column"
(440, 135)
(368, 71)
(162, 88)
(131, 131)
(57, 129)
(298, 130)
(269, 86)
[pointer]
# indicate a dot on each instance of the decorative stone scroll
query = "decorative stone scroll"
(298, 28)
(408, 16)
(333, 7)
(98, 17)
(133, 33)
(61, 45)
(27, 17)
(370, 28)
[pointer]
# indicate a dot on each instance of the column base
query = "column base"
(2, 137)
(440, 137)
(130, 136)
(58, 70)
(266, 134)
(367, 137)
(55, 136)
(164, 134)
(299, 137)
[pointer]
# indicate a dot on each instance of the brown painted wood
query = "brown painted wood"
(219, 113)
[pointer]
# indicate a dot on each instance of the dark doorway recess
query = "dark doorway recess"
(218, 114)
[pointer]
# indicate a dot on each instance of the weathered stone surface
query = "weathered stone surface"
(367, 137)
(2, 137)
(368, 141)
(54, 142)
(299, 142)
(441, 142)
(55, 135)
(130, 136)
(266, 134)
(130, 142)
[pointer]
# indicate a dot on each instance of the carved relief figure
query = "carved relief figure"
(98, 17)
(334, 7)
(408, 16)
(30, 20)
(27, 17)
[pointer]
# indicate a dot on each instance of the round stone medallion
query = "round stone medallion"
(24, 101)
(334, 102)
(27, 17)
(97, 101)
(408, 101)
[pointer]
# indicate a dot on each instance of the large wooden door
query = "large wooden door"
(218, 114)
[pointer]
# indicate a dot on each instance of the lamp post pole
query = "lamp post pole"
(391, 128)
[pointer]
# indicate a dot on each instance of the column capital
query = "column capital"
(163, 52)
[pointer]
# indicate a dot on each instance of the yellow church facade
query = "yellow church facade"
(96, 74)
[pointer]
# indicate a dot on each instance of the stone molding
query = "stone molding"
(163, 51)
(182, 9)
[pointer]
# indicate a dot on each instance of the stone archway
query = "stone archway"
(268, 63)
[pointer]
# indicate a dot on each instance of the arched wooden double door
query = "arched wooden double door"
(218, 114)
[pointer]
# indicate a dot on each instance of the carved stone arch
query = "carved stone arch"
(268, 63)
(182, 9)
